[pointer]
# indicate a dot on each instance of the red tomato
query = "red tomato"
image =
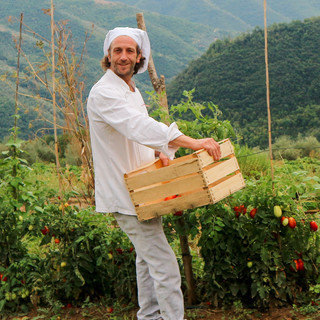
(45, 230)
(2, 278)
(170, 197)
(253, 212)
(57, 240)
(243, 209)
(292, 222)
(109, 309)
(178, 213)
(297, 264)
(120, 251)
(300, 265)
(236, 209)
(313, 226)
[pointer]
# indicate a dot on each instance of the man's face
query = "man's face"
(123, 57)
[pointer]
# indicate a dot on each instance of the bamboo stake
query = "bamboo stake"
(56, 147)
(16, 109)
(268, 89)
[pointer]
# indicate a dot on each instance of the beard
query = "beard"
(124, 70)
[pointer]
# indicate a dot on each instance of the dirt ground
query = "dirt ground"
(198, 313)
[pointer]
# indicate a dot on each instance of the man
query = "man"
(123, 138)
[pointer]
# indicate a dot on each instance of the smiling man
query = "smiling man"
(123, 138)
(123, 56)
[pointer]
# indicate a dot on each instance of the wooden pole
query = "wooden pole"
(160, 87)
(268, 89)
(56, 146)
(16, 109)
(16, 112)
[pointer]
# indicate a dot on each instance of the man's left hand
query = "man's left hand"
(164, 159)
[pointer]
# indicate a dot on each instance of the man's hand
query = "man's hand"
(209, 144)
(212, 147)
(164, 159)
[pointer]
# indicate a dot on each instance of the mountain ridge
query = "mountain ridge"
(175, 40)
(232, 75)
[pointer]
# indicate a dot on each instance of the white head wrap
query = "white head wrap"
(138, 35)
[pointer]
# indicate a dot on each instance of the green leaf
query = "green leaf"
(38, 209)
(254, 289)
(79, 275)
(234, 288)
(2, 303)
(80, 239)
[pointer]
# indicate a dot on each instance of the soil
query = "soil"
(198, 313)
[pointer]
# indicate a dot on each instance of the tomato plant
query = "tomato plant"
(71, 259)
(257, 260)
(257, 246)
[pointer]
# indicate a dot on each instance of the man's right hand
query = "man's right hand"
(209, 144)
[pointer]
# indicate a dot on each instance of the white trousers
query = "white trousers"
(158, 274)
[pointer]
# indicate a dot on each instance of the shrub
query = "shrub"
(289, 149)
(252, 162)
(309, 146)
(72, 155)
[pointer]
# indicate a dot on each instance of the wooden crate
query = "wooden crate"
(191, 181)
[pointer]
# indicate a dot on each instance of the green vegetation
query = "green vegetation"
(247, 251)
(229, 14)
(258, 248)
(232, 75)
(81, 17)
(178, 33)
(59, 255)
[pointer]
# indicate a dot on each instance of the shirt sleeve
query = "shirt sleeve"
(133, 123)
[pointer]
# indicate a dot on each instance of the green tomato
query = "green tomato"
(277, 211)
(30, 227)
(285, 222)
(249, 264)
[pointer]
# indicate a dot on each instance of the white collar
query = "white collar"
(119, 81)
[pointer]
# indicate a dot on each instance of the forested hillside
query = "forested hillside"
(231, 74)
(232, 15)
(180, 31)
(168, 35)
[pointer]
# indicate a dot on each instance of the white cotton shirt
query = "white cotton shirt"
(123, 138)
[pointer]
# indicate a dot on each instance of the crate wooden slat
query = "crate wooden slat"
(188, 201)
(227, 187)
(196, 180)
(162, 190)
(177, 170)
